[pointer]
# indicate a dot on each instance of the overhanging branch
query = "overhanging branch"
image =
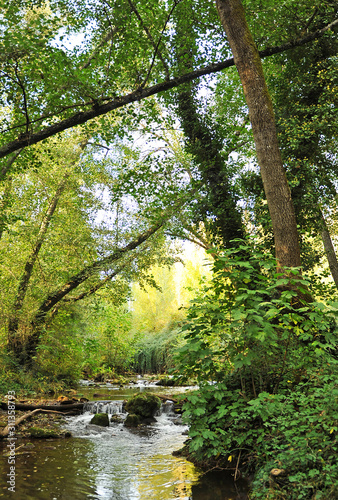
(140, 94)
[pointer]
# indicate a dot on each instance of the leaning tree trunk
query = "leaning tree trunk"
(39, 320)
(277, 191)
(13, 324)
(329, 250)
(220, 201)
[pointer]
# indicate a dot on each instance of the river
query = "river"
(115, 463)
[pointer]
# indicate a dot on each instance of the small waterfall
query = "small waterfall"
(110, 407)
(116, 408)
(167, 408)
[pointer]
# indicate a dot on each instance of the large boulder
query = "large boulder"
(101, 419)
(144, 405)
(132, 420)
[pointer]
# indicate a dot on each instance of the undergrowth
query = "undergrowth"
(265, 361)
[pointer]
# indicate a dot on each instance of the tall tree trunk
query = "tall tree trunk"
(4, 205)
(329, 250)
(218, 209)
(220, 202)
(277, 191)
(28, 270)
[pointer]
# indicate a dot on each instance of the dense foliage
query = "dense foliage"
(127, 127)
(267, 369)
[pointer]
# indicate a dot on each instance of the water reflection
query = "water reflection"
(123, 467)
(114, 463)
(54, 469)
(219, 485)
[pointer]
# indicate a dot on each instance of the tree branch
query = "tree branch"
(96, 51)
(88, 271)
(9, 163)
(96, 287)
(83, 116)
(4, 433)
(154, 44)
(25, 105)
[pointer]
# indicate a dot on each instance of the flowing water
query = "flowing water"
(115, 463)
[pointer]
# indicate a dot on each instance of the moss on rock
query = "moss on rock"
(38, 433)
(145, 405)
(132, 420)
(101, 419)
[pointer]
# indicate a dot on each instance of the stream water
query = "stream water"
(115, 463)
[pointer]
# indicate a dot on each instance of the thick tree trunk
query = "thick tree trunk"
(262, 119)
(329, 250)
(221, 202)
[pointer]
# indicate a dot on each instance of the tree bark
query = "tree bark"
(277, 191)
(329, 250)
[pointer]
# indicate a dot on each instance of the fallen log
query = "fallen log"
(53, 407)
(4, 433)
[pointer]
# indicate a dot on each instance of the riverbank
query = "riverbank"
(33, 422)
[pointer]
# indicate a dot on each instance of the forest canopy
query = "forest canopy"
(130, 131)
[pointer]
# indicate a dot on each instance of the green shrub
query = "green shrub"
(265, 360)
(295, 431)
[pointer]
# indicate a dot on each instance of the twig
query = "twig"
(236, 470)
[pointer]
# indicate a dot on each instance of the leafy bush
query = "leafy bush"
(109, 345)
(59, 358)
(252, 321)
(265, 361)
(14, 377)
(295, 431)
